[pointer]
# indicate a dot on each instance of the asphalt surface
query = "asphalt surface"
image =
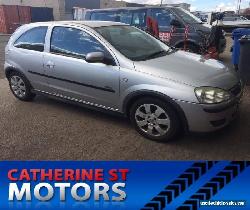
(47, 129)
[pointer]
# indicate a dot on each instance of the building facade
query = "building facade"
(57, 5)
(63, 9)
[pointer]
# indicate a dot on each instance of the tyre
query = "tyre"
(154, 119)
(190, 48)
(20, 86)
(193, 49)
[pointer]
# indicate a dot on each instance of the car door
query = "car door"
(28, 54)
(72, 77)
(164, 18)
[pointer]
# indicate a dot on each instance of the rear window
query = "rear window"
(33, 39)
(125, 17)
(139, 18)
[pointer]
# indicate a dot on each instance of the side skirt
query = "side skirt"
(79, 102)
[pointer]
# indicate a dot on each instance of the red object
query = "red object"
(212, 53)
(153, 27)
(9, 19)
(165, 36)
(24, 14)
(12, 16)
(186, 33)
(2, 20)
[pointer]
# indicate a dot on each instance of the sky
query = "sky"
(202, 5)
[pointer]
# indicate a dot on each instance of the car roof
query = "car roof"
(131, 8)
(91, 24)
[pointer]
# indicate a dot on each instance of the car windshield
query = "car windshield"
(133, 43)
(187, 16)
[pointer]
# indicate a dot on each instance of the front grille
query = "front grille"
(236, 90)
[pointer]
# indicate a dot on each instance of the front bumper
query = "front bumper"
(208, 118)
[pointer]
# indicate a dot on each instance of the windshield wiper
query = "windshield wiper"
(197, 23)
(156, 54)
(172, 50)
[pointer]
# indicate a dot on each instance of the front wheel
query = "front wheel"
(155, 119)
(190, 48)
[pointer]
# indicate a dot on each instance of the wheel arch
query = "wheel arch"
(132, 97)
(10, 69)
(181, 43)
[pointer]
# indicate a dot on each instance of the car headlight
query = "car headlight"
(211, 95)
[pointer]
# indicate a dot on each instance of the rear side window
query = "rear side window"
(163, 17)
(105, 16)
(139, 18)
(125, 17)
(33, 39)
(74, 43)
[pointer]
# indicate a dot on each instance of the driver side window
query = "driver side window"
(164, 17)
(75, 43)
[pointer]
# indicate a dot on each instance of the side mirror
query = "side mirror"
(95, 57)
(176, 23)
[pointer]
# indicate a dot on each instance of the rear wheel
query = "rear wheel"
(154, 119)
(20, 86)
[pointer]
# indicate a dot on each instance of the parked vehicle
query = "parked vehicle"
(78, 13)
(177, 26)
(120, 68)
(231, 22)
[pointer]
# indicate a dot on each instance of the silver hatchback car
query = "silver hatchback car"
(123, 69)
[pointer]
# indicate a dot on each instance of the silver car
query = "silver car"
(120, 68)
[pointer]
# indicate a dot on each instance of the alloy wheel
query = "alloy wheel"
(152, 119)
(18, 86)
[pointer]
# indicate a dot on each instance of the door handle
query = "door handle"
(50, 65)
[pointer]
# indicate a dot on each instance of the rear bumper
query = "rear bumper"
(208, 118)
